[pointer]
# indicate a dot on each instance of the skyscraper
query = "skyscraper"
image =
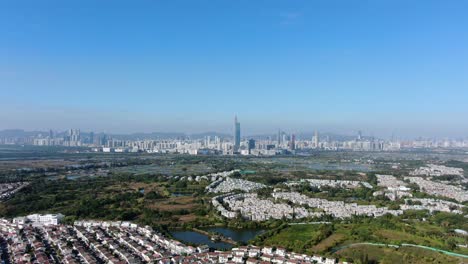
(74, 135)
(316, 139)
(91, 137)
(292, 143)
(251, 145)
(279, 137)
(236, 135)
(73, 138)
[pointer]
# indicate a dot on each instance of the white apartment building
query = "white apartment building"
(38, 219)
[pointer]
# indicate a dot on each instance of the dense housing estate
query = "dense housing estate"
(122, 242)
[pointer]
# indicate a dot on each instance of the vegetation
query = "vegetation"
(436, 232)
(367, 254)
(141, 188)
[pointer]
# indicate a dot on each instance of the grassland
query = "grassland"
(297, 236)
(388, 255)
(327, 239)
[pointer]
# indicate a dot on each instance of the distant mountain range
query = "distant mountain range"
(11, 133)
(308, 136)
(167, 135)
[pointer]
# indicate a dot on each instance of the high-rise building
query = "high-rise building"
(292, 143)
(316, 139)
(74, 135)
(237, 135)
(100, 140)
(279, 137)
(91, 137)
(207, 141)
(251, 145)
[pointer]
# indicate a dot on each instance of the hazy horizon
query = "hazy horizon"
(384, 67)
(229, 132)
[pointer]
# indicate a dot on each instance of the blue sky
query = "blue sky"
(341, 66)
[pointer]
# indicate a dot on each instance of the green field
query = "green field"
(388, 255)
(297, 236)
(328, 239)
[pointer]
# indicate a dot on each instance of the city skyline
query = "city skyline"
(383, 67)
(281, 136)
(223, 144)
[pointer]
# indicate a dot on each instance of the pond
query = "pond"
(73, 177)
(180, 194)
(300, 164)
(339, 166)
(239, 235)
(199, 239)
(197, 169)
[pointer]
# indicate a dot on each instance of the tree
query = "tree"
(181, 184)
(451, 243)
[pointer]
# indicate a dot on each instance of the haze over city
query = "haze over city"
(386, 67)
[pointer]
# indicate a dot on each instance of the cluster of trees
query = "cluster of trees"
(264, 192)
(260, 239)
(268, 180)
(331, 193)
(88, 199)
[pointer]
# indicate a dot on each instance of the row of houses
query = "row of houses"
(25, 246)
(228, 184)
(250, 207)
(253, 255)
(432, 205)
(394, 188)
(437, 170)
(338, 209)
(8, 189)
(440, 189)
(93, 242)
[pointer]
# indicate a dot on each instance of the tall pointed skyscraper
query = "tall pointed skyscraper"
(236, 135)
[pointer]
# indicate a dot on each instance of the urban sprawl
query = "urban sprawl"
(281, 143)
